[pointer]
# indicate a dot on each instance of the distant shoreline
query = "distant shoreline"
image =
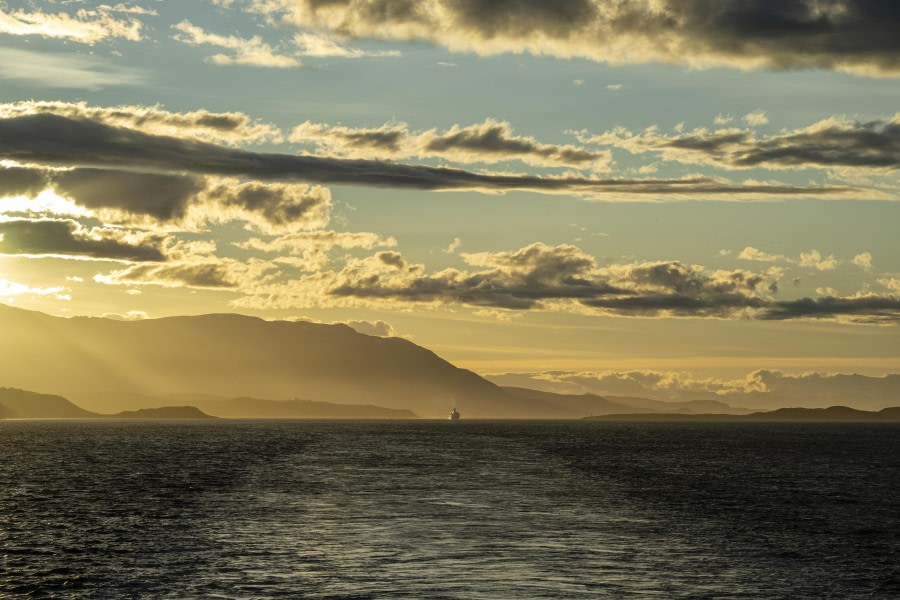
(832, 414)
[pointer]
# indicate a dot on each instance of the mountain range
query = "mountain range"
(107, 365)
(236, 366)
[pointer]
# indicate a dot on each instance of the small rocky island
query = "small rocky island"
(166, 412)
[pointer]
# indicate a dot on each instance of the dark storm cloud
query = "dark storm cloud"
(832, 142)
(678, 305)
(851, 35)
(134, 196)
(56, 140)
(21, 181)
(69, 238)
(865, 309)
(162, 197)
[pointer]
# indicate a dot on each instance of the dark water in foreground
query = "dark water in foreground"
(448, 510)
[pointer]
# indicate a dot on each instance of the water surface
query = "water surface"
(428, 509)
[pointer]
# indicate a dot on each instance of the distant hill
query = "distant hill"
(249, 408)
(21, 404)
(165, 412)
(831, 414)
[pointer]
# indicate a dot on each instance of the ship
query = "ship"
(454, 415)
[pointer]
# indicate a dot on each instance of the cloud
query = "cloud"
(814, 259)
(891, 283)
(70, 239)
(10, 289)
(454, 246)
(252, 51)
(830, 143)
(863, 260)
(647, 383)
(21, 181)
(214, 274)
(271, 207)
(545, 277)
(674, 289)
(751, 253)
(857, 36)
(811, 259)
(487, 142)
(131, 315)
(159, 196)
(375, 328)
(563, 278)
(318, 240)
(493, 141)
(515, 280)
(176, 200)
(763, 388)
(318, 45)
(229, 127)
(865, 308)
(309, 250)
(65, 141)
(757, 117)
(85, 26)
(129, 10)
(55, 70)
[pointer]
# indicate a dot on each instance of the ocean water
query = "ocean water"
(434, 509)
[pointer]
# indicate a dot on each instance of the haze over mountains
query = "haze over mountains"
(231, 365)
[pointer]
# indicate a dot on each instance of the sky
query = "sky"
(585, 186)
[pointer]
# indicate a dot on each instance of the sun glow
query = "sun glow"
(47, 202)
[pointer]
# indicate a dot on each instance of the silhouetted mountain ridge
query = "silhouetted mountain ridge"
(21, 404)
